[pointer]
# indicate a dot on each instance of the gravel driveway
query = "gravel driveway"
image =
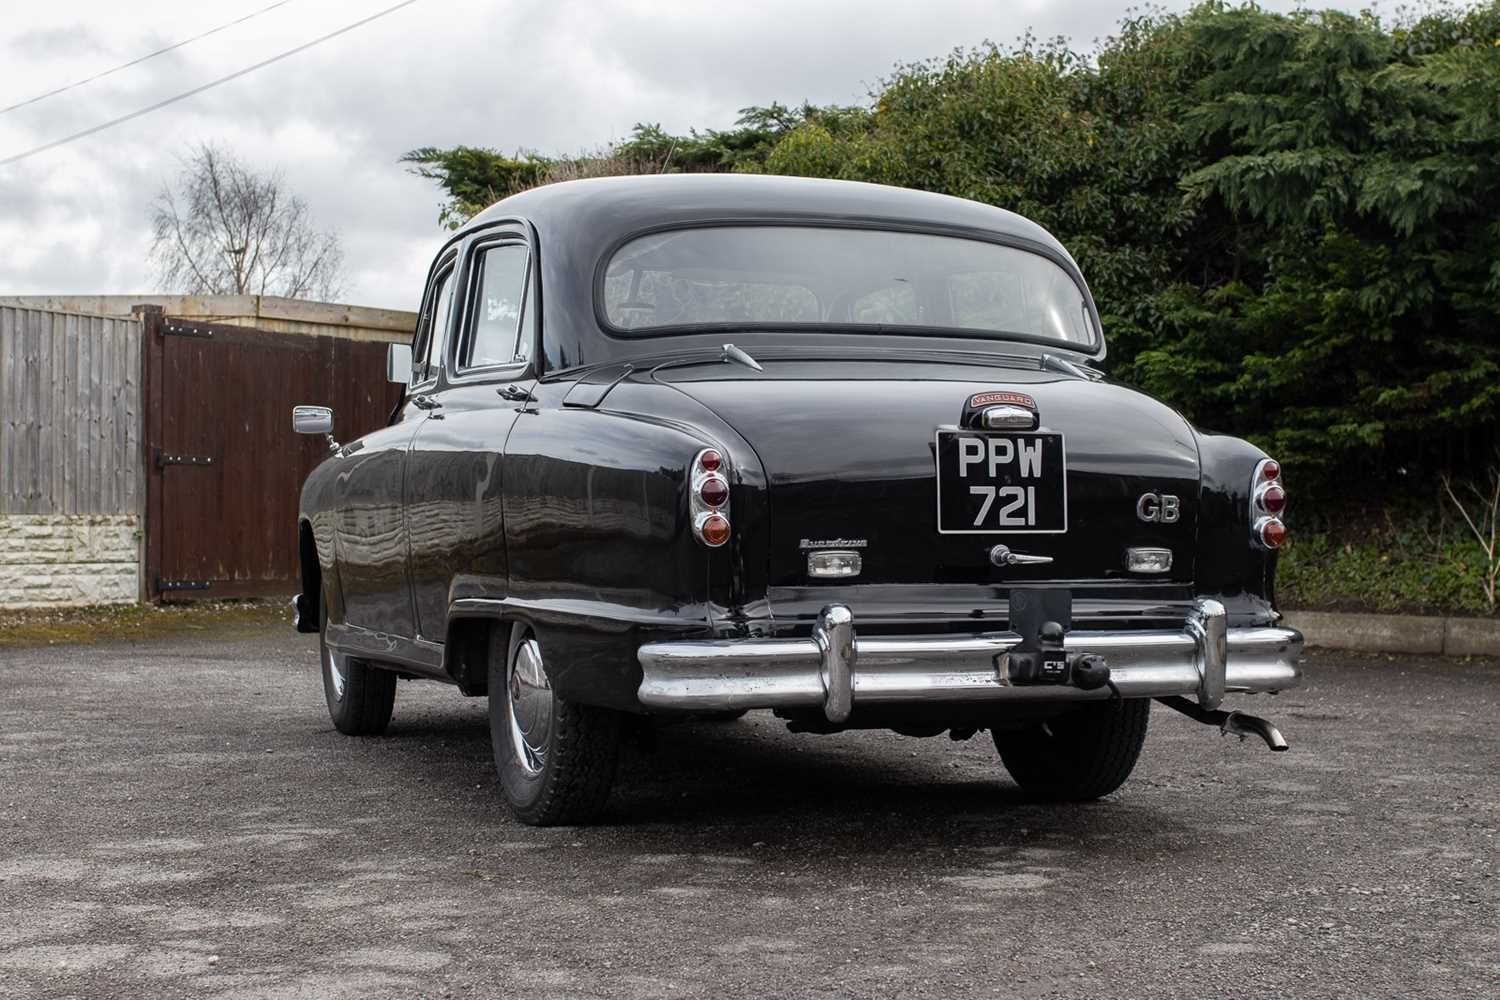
(180, 819)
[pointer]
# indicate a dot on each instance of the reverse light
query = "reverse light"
(834, 564)
(708, 492)
(1144, 560)
(1267, 503)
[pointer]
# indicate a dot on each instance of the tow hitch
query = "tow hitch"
(1238, 723)
(1050, 663)
(1041, 618)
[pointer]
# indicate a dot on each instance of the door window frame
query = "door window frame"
(446, 265)
(473, 277)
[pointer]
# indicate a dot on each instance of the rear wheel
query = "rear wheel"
(556, 758)
(360, 697)
(1083, 754)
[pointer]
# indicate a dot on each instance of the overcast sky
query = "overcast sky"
(553, 76)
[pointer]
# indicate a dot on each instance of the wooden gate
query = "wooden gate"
(224, 469)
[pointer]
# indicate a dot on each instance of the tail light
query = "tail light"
(1271, 532)
(1267, 503)
(708, 490)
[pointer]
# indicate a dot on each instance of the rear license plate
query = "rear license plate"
(999, 482)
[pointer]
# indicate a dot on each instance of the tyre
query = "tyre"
(556, 759)
(1083, 754)
(360, 697)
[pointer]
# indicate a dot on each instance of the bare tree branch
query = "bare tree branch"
(1490, 546)
(227, 230)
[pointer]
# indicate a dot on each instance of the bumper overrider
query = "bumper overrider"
(838, 670)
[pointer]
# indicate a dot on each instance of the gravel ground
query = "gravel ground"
(179, 819)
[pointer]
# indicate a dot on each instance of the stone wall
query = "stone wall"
(61, 559)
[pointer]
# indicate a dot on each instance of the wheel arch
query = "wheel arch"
(591, 661)
(466, 651)
(310, 572)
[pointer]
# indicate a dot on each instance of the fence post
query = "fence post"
(152, 318)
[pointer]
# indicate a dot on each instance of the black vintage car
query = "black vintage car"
(703, 444)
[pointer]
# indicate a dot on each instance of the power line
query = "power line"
(141, 59)
(207, 86)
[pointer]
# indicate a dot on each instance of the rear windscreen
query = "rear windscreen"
(805, 276)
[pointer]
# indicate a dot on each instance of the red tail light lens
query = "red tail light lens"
(710, 460)
(1270, 469)
(1272, 499)
(713, 490)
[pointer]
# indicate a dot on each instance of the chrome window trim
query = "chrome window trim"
(472, 277)
(446, 262)
(499, 233)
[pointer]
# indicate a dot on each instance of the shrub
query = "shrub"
(1291, 222)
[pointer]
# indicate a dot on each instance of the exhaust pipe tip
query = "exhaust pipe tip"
(1243, 725)
(1238, 723)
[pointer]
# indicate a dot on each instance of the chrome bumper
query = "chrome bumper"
(837, 670)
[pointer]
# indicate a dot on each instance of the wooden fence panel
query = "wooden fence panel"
(70, 413)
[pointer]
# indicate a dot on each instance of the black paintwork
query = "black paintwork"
(555, 491)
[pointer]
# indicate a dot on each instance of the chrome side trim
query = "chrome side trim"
(600, 615)
(381, 649)
(1204, 659)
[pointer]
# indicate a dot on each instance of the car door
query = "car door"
(455, 471)
(372, 538)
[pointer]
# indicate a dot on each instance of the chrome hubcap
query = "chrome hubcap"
(530, 707)
(335, 671)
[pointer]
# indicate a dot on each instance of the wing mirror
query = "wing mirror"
(398, 364)
(314, 420)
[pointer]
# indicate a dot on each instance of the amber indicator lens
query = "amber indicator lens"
(714, 491)
(1273, 499)
(1272, 532)
(715, 530)
(710, 461)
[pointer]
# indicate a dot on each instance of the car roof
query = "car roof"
(578, 224)
(616, 207)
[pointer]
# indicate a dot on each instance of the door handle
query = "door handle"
(425, 403)
(514, 393)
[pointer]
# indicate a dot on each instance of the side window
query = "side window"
(498, 306)
(435, 325)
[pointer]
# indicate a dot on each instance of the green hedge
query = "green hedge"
(1409, 569)
(1291, 222)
